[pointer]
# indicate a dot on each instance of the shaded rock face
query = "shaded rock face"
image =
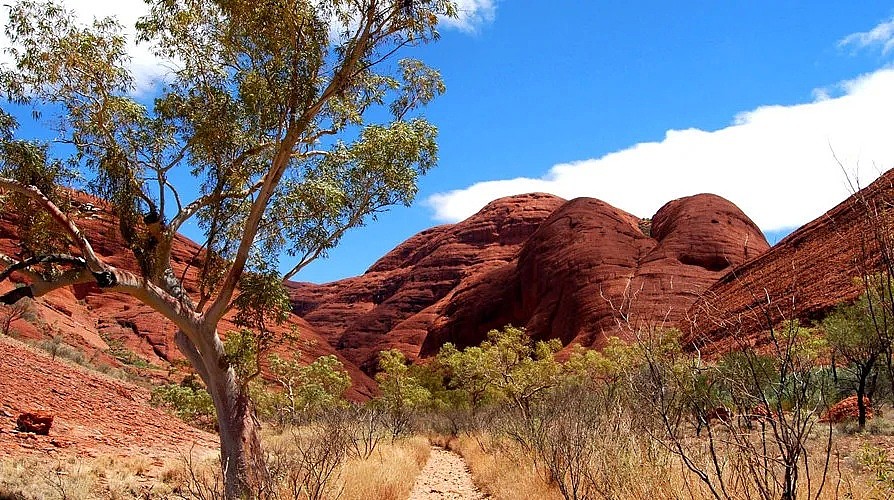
(394, 303)
(35, 423)
(562, 269)
(803, 276)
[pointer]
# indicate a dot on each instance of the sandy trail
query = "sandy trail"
(445, 475)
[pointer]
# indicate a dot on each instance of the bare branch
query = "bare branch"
(65, 222)
(190, 210)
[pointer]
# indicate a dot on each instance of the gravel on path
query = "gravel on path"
(445, 476)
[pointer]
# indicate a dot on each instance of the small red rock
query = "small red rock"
(846, 409)
(35, 422)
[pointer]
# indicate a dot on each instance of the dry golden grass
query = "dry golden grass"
(110, 478)
(388, 474)
(862, 466)
(502, 470)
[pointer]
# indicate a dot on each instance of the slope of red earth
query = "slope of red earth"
(94, 415)
(562, 269)
(96, 321)
(803, 276)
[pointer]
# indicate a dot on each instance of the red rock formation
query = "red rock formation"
(95, 321)
(561, 269)
(803, 276)
(35, 422)
(590, 261)
(388, 306)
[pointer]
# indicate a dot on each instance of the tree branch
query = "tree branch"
(92, 261)
(191, 209)
(42, 287)
(43, 259)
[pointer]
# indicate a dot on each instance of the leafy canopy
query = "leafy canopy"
(265, 114)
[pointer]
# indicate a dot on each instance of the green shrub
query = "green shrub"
(188, 401)
(875, 459)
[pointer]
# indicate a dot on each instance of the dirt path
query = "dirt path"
(445, 476)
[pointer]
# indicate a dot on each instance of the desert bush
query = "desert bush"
(764, 458)
(119, 351)
(861, 342)
(55, 347)
(875, 460)
(365, 429)
(307, 464)
(301, 462)
(402, 394)
(188, 400)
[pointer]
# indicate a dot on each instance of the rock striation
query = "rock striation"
(803, 276)
(562, 269)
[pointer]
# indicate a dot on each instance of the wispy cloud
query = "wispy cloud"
(148, 70)
(777, 163)
(881, 36)
(472, 14)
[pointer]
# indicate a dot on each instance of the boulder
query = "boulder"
(846, 410)
(35, 422)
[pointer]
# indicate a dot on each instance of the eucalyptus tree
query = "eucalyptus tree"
(260, 133)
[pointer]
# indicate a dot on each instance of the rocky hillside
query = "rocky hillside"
(562, 269)
(111, 327)
(804, 275)
(94, 415)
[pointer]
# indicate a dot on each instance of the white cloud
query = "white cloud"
(880, 36)
(472, 14)
(147, 69)
(775, 162)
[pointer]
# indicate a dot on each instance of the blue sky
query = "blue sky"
(638, 103)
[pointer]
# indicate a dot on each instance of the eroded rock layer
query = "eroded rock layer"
(562, 269)
(803, 276)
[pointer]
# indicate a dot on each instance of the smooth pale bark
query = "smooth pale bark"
(240, 447)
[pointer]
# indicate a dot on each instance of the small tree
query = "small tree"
(861, 343)
(402, 394)
(266, 108)
(11, 313)
(310, 390)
